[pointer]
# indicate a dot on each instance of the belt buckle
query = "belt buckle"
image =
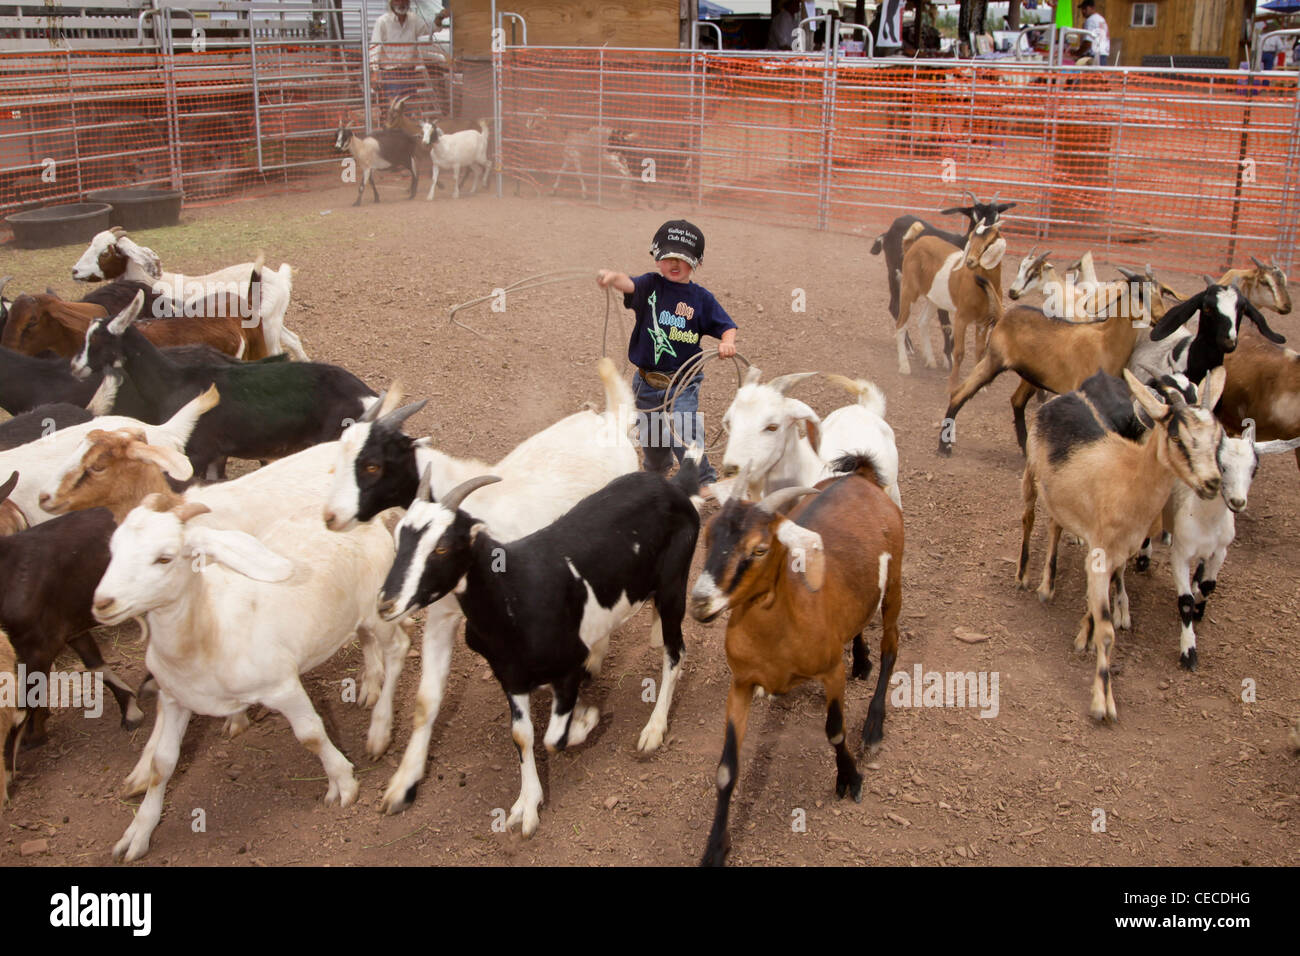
(656, 379)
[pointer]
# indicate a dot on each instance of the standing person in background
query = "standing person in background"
(393, 50)
(1098, 46)
(780, 34)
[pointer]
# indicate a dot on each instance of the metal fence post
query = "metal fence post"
(365, 62)
(257, 96)
(600, 122)
(497, 46)
(76, 139)
(830, 77)
(1116, 157)
(699, 171)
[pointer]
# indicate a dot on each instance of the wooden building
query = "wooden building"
(1178, 28)
(658, 24)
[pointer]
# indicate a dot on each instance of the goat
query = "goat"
(541, 609)
(50, 571)
(112, 254)
(4, 303)
(963, 281)
(263, 612)
(1203, 530)
(595, 143)
(543, 477)
(45, 322)
(1052, 352)
(1107, 489)
(11, 714)
(1264, 285)
(890, 242)
(39, 461)
(381, 149)
(799, 588)
(457, 150)
(12, 520)
(268, 410)
(41, 421)
(1263, 387)
(779, 441)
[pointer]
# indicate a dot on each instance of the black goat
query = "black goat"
(49, 575)
(891, 243)
(268, 409)
(541, 609)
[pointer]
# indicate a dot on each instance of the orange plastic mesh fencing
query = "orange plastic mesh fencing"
(1183, 171)
(207, 123)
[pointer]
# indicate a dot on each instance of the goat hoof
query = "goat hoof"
(1188, 660)
(945, 449)
(863, 672)
(393, 805)
(1142, 563)
(716, 854)
(849, 785)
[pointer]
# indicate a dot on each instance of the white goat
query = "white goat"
(39, 461)
(233, 621)
(1203, 529)
(541, 479)
(783, 443)
(454, 151)
(112, 254)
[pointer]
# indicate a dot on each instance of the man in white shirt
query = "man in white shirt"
(1100, 43)
(783, 24)
(393, 50)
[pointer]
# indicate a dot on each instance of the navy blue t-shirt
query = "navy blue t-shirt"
(669, 319)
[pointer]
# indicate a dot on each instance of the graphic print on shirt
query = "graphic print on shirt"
(657, 335)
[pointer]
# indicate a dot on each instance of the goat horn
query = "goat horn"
(1209, 281)
(783, 383)
(395, 418)
(994, 200)
(1258, 265)
(425, 490)
(752, 375)
(451, 501)
(783, 496)
(371, 413)
(1130, 274)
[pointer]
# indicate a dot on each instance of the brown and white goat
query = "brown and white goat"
(799, 588)
(1264, 286)
(963, 282)
(1052, 352)
(10, 712)
(45, 322)
(1107, 490)
(1263, 386)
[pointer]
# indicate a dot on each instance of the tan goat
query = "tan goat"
(10, 714)
(1107, 490)
(962, 282)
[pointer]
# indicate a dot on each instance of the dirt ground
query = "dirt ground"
(1191, 775)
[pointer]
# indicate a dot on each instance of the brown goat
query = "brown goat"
(12, 519)
(1264, 385)
(799, 589)
(958, 281)
(117, 470)
(1056, 354)
(40, 322)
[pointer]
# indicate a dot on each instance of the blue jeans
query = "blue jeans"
(654, 434)
(399, 82)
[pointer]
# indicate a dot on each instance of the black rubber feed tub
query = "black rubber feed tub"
(140, 208)
(59, 225)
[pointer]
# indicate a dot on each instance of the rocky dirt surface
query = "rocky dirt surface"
(1191, 775)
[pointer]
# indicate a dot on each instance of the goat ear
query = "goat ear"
(1155, 409)
(1252, 313)
(967, 211)
(168, 459)
(127, 315)
(142, 256)
(806, 553)
(992, 256)
(1175, 317)
(1212, 387)
(239, 552)
(1004, 206)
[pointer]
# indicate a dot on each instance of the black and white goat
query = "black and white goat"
(382, 149)
(1222, 309)
(541, 608)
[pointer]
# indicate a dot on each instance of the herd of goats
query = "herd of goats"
(127, 404)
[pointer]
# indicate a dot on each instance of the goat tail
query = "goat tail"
(858, 463)
(913, 233)
(619, 400)
(688, 475)
(868, 393)
(878, 246)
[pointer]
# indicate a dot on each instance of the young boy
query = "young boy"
(671, 314)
